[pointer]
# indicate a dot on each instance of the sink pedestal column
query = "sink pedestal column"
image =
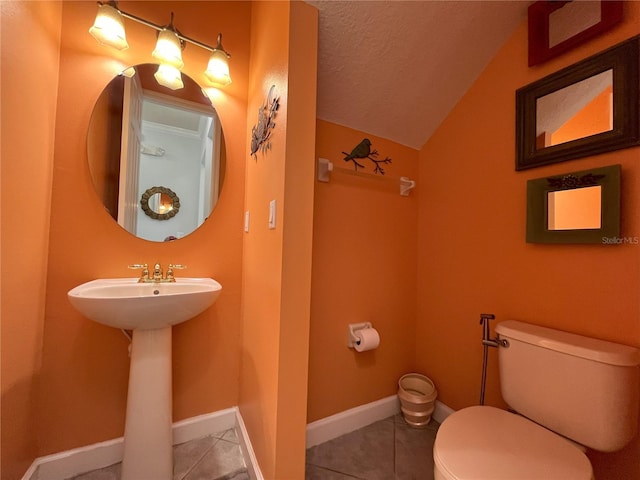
(148, 438)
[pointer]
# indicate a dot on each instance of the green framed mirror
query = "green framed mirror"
(577, 207)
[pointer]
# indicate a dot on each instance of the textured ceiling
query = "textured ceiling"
(395, 69)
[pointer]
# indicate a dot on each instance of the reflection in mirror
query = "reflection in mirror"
(578, 207)
(577, 111)
(587, 108)
(557, 26)
(144, 134)
(574, 209)
(160, 203)
(571, 19)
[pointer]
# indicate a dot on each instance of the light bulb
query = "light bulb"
(168, 49)
(108, 28)
(218, 68)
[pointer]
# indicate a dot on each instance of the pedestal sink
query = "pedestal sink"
(149, 309)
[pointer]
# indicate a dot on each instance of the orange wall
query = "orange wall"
(276, 269)
(473, 257)
(85, 365)
(297, 224)
(364, 269)
(32, 29)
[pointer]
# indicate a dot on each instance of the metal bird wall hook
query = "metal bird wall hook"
(261, 131)
(363, 150)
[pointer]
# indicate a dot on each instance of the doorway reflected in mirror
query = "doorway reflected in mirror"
(142, 134)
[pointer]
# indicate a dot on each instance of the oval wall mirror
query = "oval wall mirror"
(141, 134)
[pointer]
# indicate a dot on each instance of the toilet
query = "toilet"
(567, 392)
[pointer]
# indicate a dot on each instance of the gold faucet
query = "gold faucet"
(156, 276)
(157, 273)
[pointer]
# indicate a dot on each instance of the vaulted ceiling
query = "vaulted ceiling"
(395, 69)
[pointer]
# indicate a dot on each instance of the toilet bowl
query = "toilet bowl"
(566, 388)
(484, 442)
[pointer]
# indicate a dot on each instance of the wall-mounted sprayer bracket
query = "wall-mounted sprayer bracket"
(486, 340)
(353, 328)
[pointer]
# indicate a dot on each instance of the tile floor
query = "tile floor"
(385, 450)
(216, 457)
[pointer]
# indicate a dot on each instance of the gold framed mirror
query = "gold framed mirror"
(587, 108)
(576, 207)
(160, 203)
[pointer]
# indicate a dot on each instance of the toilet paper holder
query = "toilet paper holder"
(353, 328)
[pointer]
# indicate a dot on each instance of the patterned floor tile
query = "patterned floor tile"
(366, 453)
(386, 450)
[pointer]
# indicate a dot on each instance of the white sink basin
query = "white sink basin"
(125, 303)
(149, 309)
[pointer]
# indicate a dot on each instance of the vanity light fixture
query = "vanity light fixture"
(169, 47)
(218, 68)
(108, 29)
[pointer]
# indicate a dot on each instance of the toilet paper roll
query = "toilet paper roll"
(366, 339)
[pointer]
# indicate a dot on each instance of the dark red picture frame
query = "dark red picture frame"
(538, 14)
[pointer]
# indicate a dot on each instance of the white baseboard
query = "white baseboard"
(203, 425)
(441, 412)
(60, 466)
(331, 427)
(341, 423)
(247, 449)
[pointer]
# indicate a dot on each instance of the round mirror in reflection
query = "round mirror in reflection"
(142, 133)
(160, 203)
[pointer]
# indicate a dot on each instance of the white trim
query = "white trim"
(31, 473)
(60, 466)
(441, 412)
(331, 427)
(341, 423)
(203, 425)
(70, 463)
(247, 449)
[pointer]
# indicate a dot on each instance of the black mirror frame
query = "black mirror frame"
(537, 205)
(624, 60)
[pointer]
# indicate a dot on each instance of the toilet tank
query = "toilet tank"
(582, 388)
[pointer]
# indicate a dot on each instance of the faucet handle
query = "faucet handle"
(145, 270)
(170, 268)
(138, 265)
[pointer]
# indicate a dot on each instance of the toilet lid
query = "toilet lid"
(489, 443)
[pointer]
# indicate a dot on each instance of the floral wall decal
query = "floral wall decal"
(261, 131)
